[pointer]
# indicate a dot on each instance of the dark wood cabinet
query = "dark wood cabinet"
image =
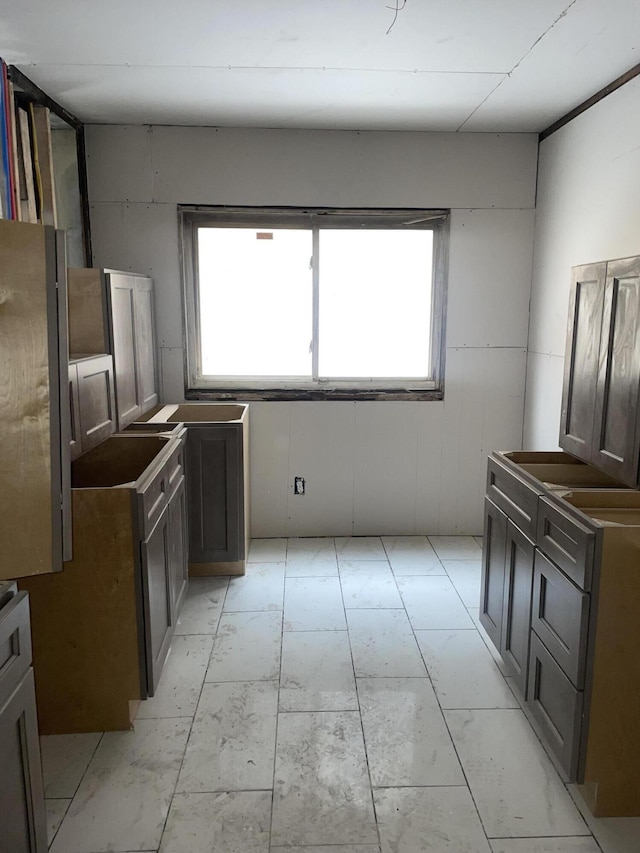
(601, 391)
(22, 806)
(493, 569)
(155, 561)
(178, 545)
(35, 498)
(113, 312)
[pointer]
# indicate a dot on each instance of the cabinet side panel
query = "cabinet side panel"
(25, 419)
(84, 621)
(88, 328)
(612, 766)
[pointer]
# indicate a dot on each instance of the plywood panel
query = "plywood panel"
(84, 622)
(88, 331)
(25, 415)
(322, 451)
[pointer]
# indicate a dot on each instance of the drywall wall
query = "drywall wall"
(377, 467)
(588, 209)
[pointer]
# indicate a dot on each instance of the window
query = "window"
(312, 303)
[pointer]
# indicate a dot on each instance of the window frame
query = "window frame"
(197, 386)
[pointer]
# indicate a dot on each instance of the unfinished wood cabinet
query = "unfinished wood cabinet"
(601, 391)
(112, 312)
(34, 412)
(92, 401)
(102, 627)
(582, 678)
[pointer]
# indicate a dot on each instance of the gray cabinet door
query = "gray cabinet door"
(123, 337)
(516, 617)
(96, 400)
(145, 343)
(178, 547)
(493, 570)
(586, 302)
(24, 827)
(75, 444)
(215, 483)
(616, 440)
(156, 596)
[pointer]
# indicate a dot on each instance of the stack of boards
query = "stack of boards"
(27, 187)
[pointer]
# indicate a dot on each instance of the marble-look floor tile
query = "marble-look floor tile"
(65, 759)
(235, 822)
(317, 672)
(412, 555)
(56, 810)
(433, 603)
(262, 588)
(179, 689)
(614, 834)
(360, 548)
(465, 575)
(474, 612)
(382, 644)
(314, 557)
(313, 604)
(123, 800)
(267, 551)
(546, 845)
(405, 734)
(516, 788)
(368, 584)
(321, 788)
(456, 547)
(463, 672)
(340, 848)
(429, 820)
(247, 647)
(232, 740)
(202, 606)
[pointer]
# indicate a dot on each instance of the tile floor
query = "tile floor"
(339, 698)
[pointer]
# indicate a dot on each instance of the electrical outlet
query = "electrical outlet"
(298, 485)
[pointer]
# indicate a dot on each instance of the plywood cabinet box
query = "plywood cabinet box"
(112, 312)
(35, 499)
(102, 627)
(560, 600)
(24, 828)
(218, 483)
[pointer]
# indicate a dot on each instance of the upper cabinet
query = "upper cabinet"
(112, 312)
(601, 391)
(35, 527)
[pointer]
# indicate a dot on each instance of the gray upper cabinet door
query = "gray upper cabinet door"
(616, 434)
(580, 382)
(215, 482)
(123, 335)
(96, 401)
(145, 343)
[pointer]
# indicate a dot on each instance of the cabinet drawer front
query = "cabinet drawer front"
(560, 617)
(569, 544)
(15, 641)
(152, 499)
(517, 499)
(556, 705)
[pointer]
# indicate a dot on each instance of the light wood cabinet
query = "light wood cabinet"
(102, 627)
(112, 311)
(601, 392)
(34, 412)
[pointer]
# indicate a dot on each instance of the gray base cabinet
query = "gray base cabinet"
(563, 610)
(23, 828)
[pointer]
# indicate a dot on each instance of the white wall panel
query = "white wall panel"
(119, 166)
(343, 168)
(321, 451)
(171, 365)
(429, 473)
(491, 253)
(385, 468)
(588, 210)
(269, 435)
(543, 401)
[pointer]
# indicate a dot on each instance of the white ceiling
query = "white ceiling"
(471, 65)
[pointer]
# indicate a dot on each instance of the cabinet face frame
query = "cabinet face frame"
(493, 572)
(516, 618)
